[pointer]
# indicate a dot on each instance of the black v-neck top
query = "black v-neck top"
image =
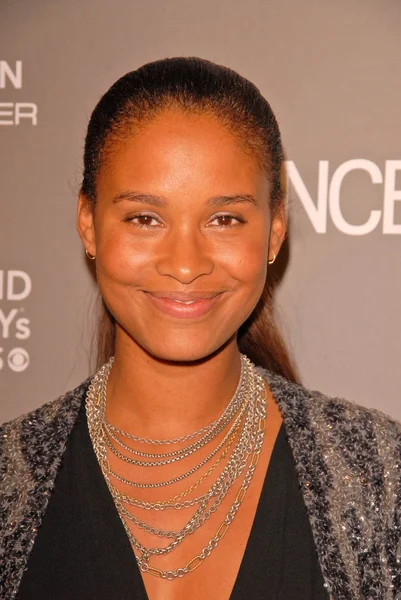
(82, 551)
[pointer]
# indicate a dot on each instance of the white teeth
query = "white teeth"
(182, 302)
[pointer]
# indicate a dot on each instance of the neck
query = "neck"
(160, 399)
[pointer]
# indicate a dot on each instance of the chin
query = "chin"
(189, 351)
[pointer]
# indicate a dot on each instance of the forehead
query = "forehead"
(176, 150)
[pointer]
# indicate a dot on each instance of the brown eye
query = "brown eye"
(144, 219)
(226, 221)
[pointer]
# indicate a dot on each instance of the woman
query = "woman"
(193, 464)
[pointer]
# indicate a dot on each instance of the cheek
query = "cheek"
(120, 256)
(247, 260)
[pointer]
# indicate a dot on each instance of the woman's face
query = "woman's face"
(181, 236)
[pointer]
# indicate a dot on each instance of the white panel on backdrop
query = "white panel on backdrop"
(328, 201)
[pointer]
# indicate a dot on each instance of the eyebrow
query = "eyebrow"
(161, 202)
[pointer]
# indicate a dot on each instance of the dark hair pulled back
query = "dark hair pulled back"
(194, 85)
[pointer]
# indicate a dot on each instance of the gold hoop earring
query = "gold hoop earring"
(272, 261)
(90, 256)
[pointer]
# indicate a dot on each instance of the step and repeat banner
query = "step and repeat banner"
(332, 73)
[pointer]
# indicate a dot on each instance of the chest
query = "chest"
(258, 557)
(211, 543)
(215, 562)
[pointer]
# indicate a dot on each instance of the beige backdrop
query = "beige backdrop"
(331, 71)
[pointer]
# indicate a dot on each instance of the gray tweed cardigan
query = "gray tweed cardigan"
(348, 461)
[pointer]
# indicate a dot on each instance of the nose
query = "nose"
(185, 255)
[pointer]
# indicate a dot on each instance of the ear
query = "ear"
(278, 231)
(85, 224)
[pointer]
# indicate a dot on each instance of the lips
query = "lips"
(184, 305)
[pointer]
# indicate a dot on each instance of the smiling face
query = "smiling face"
(181, 236)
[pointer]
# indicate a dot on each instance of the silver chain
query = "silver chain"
(230, 410)
(249, 404)
(182, 453)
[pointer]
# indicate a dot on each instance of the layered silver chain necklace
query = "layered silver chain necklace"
(244, 419)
